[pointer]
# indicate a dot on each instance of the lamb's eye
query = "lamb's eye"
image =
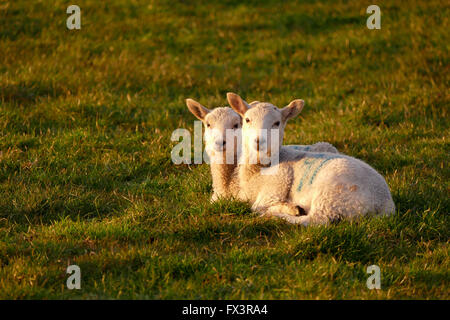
(236, 126)
(208, 125)
(276, 124)
(247, 120)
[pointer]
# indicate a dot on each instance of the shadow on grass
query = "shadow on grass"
(45, 212)
(28, 94)
(228, 233)
(316, 24)
(375, 239)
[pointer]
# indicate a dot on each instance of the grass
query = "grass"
(85, 170)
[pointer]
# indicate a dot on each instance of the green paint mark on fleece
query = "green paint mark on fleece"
(309, 164)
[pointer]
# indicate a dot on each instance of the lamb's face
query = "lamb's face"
(263, 126)
(222, 129)
(262, 130)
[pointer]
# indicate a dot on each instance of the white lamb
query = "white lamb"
(327, 186)
(216, 123)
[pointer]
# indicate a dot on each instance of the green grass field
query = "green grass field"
(85, 171)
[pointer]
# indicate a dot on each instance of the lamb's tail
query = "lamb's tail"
(324, 147)
(387, 208)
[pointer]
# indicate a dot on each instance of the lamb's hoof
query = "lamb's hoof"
(301, 211)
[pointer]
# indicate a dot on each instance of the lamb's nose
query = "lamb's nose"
(259, 141)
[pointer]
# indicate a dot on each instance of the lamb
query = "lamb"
(217, 122)
(327, 186)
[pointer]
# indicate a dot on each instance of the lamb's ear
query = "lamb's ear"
(236, 102)
(197, 109)
(293, 109)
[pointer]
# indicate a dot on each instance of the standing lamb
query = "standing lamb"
(217, 122)
(327, 186)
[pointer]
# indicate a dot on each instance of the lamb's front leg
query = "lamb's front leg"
(286, 208)
(286, 211)
(278, 207)
(304, 220)
(301, 220)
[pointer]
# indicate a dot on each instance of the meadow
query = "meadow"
(86, 176)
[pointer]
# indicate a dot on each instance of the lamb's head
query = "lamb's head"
(263, 125)
(221, 125)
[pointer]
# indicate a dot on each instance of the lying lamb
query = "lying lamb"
(327, 186)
